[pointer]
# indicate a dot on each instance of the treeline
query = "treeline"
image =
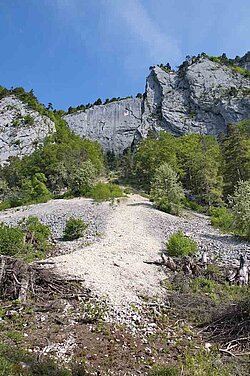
(98, 102)
(208, 169)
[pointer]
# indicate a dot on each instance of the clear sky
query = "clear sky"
(74, 51)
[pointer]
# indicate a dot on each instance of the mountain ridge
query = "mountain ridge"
(204, 96)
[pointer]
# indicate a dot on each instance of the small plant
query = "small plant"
(165, 371)
(222, 219)
(103, 192)
(36, 233)
(180, 244)
(74, 229)
(28, 120)
(12, 240)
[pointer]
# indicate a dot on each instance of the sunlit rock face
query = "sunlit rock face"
(114, 125)
(202, 96)
(22, 129)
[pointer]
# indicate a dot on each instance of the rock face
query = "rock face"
(244, 62)
(22, 129)
(114, 125)
(201, 97)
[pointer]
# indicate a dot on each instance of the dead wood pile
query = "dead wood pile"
(19, 280)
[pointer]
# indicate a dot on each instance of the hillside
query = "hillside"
(130, 316)
(131, 259)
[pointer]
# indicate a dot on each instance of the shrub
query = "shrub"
(28, 120)
(103, 191)
(12, 240)
(222, 219)
(82, 180)
(74, 229)
(180, 244)
(241, 208)
(166, 192)
(36, 233)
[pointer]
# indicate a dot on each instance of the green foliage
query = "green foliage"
(12, 359)
(28, 120)
(74, 229)
(166, 192)
(151, 153)
(199, 160)
(65, 163)
(82, 180)
(12, 240)
(28, 240)
(196, 158)
(36, 233)
(232, 63)
(165, 371)
(236, 155)
(241, 209)
(222, 218)
(106, 191)
(180, 244)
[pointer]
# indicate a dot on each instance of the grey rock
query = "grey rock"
(114, 125)
(244, 62)
(201, 97)
(16, 137)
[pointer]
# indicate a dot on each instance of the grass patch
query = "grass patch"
(105, 192)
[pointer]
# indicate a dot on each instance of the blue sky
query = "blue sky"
(74, 51)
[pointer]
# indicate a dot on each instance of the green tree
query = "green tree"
(241, 208)
(166, 191)
(199, 161)
(82, 180)
(236, 154)
(151, 153)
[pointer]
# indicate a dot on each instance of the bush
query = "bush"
(103, 191)
(180, 244)
(222, 219)
(166, 192)
(12, 240)
(36, 233)
(82, 180)
(28, 240)
(74, 229)
(241, 209)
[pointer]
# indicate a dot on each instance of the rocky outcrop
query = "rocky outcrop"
(22, 129)
(202, 96)
(244, 62)
(114, 125)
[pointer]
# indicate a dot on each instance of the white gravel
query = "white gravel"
(120, 238)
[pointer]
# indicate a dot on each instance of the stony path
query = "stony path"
(114, 267)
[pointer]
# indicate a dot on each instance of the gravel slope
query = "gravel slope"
(119, 239)
(136, 232)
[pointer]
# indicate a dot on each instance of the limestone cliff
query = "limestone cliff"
(22, 129)
(114, 125)
(202, 96)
